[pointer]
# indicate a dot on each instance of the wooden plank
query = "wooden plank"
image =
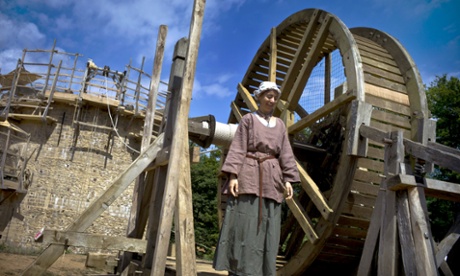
(381, 52)
(445, 246)
(351, 232)
(300, 55)
(357, 210)
(359, 114)
(141, 196)
(303, 219)
(172, 105)
(425, 259)
(391, 118)
(273, 56)
(236, 112)
(372, 237)
(396, 108)
(355, 222)
(371, 165)
(29, 117)
(386, 94)
(361, 200)
(321, 112)
(176, 176)
(433, 187)
(344, 241)
(309, 64)
(312, 190)
(378, 60)
(366, 176)
(95, 241)
(406, 239)
(53, 252)
(429, 154)
(388, 128)
(369, 43)
(388, 257)
(397, 78)
(248, 99)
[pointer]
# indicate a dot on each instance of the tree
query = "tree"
(443, 98)
(204, 189)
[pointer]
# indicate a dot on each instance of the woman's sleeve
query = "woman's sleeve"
(287, 161)
(238, 148)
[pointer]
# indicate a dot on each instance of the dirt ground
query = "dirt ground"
(74, 265)
(67, 265)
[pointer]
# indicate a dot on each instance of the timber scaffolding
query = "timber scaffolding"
(373, 132)
(31, 91)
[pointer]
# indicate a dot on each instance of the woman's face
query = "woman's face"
(267, 101)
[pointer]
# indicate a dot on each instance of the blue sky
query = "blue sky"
(113, 32)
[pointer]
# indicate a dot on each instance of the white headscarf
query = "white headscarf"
(265, 86)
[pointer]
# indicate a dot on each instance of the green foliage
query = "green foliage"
(204, 186)
(444, 102)
(443, 98)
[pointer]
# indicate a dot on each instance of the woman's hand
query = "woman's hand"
(233, 185)
(289, 192)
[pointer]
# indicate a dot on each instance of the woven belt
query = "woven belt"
(259, 161)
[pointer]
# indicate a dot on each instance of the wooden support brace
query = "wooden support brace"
(303, 219)
(312, 190)
(321, 112)
(425, 259)
(360, 113)
(94, 241)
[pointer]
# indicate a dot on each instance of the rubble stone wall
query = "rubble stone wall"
(65, 180)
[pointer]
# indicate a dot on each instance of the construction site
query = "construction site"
(97, 158)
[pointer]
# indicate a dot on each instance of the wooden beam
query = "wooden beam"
(312, 190)
(138, 216)
(445, 246)
(273, 56)
(425, 259)
(172, 106)
(442, 158)
(176, 177)
(406, 239)
(360, 114)
(299, 58)
(70, 238)
(302, 218)
(310, 62)
(236, 111)
(388, 254)
(373, 232)
(248, 99)
(321, 112)
(53, 252)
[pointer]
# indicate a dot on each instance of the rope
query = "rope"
(112, 122)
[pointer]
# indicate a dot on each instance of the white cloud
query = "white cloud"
(218, 89)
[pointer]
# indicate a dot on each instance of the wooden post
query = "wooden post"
(388, 251)
(172, 105)
(138, 216)
(175, 177)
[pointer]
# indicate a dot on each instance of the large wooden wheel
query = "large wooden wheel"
(327, 73)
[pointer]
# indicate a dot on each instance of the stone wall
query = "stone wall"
(66, 179)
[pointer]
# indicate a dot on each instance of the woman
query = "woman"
(261, 168)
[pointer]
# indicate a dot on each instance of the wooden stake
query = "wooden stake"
(176, 177)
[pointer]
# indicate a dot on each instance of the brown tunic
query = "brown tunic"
(254, 138)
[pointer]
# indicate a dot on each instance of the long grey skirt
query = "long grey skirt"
(243, 249)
